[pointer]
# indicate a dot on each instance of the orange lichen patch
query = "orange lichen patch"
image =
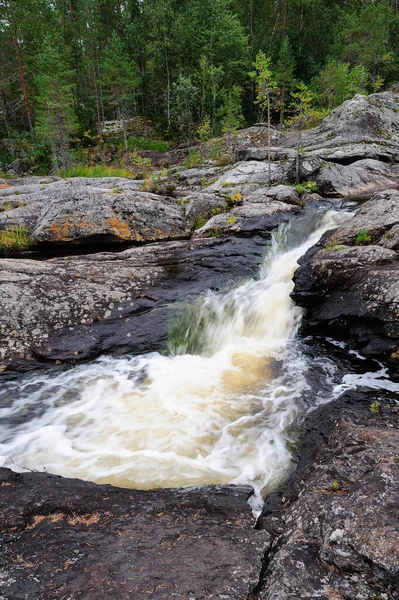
(87, 520)
(54, 518)
(4, 185)
(59, 231)
(119, 228)
(5, 483)
(20, 559)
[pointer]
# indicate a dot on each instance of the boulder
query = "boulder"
(17, 167)
(349, 281)
(248, 176)
(361, 178)
(90, 211)
(362, 127)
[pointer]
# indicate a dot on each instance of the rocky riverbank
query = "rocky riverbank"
(112, 262)
(331, 531)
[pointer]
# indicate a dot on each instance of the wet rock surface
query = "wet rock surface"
(74, 308)
(335, 524)
(71, 539)
(349, 281)
(331, 531)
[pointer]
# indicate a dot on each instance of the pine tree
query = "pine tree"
(120, 79)
(285, 75)
(56, 120)
(266, 87)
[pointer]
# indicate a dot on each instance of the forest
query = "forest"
(191, 67)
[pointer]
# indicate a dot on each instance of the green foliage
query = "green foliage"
(375, 407)
(363, 237)
(285, 78)
(55, 120)
(194, 158)
(364, 34)
(233, 199)
(338, 82)
(184, 108)
(265, 83)
(15, 239)
(308, 187)
(232, 220)
(204, 130)
(230, 113)
(120, 79)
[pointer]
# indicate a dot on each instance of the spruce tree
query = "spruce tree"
(120, 79)
(285, 75)
(55, 120)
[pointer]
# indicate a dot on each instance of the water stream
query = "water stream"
(217, 409)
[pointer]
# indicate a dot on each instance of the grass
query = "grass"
(15, 239)
(96, 171)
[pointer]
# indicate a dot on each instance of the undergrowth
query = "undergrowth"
(15, 239)
(94, 171)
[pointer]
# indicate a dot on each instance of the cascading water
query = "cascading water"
(216, 410)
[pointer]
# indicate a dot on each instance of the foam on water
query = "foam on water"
(214, 411)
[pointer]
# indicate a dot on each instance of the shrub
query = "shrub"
(194, 158)
(363, 237)
(308, 187)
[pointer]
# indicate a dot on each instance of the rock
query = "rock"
(67, 538)
(93, 211)
(82, 306)
(196, 177)
(335, 522)
(249, 176)
(362, 127)
(200, 207)
(17, 167)
(349, 281)
(361, 178)
(262, 154)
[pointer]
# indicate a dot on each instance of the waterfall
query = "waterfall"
(217, 409)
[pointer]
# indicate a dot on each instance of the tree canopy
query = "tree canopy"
(184, 64)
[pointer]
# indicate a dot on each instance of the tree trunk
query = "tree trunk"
(298, 151)
(4, 107)
(63, 143)
(282, 107)
(22, 79)
(284, 20)
(124, 126)
(251, 23)
(168, 85)
(269, 140)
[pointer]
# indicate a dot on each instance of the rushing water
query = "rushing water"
(218, 409)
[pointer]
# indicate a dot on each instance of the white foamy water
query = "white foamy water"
(214, 412)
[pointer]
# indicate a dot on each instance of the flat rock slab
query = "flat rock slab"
(362, 127)
(89, 211)
(65, 538)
